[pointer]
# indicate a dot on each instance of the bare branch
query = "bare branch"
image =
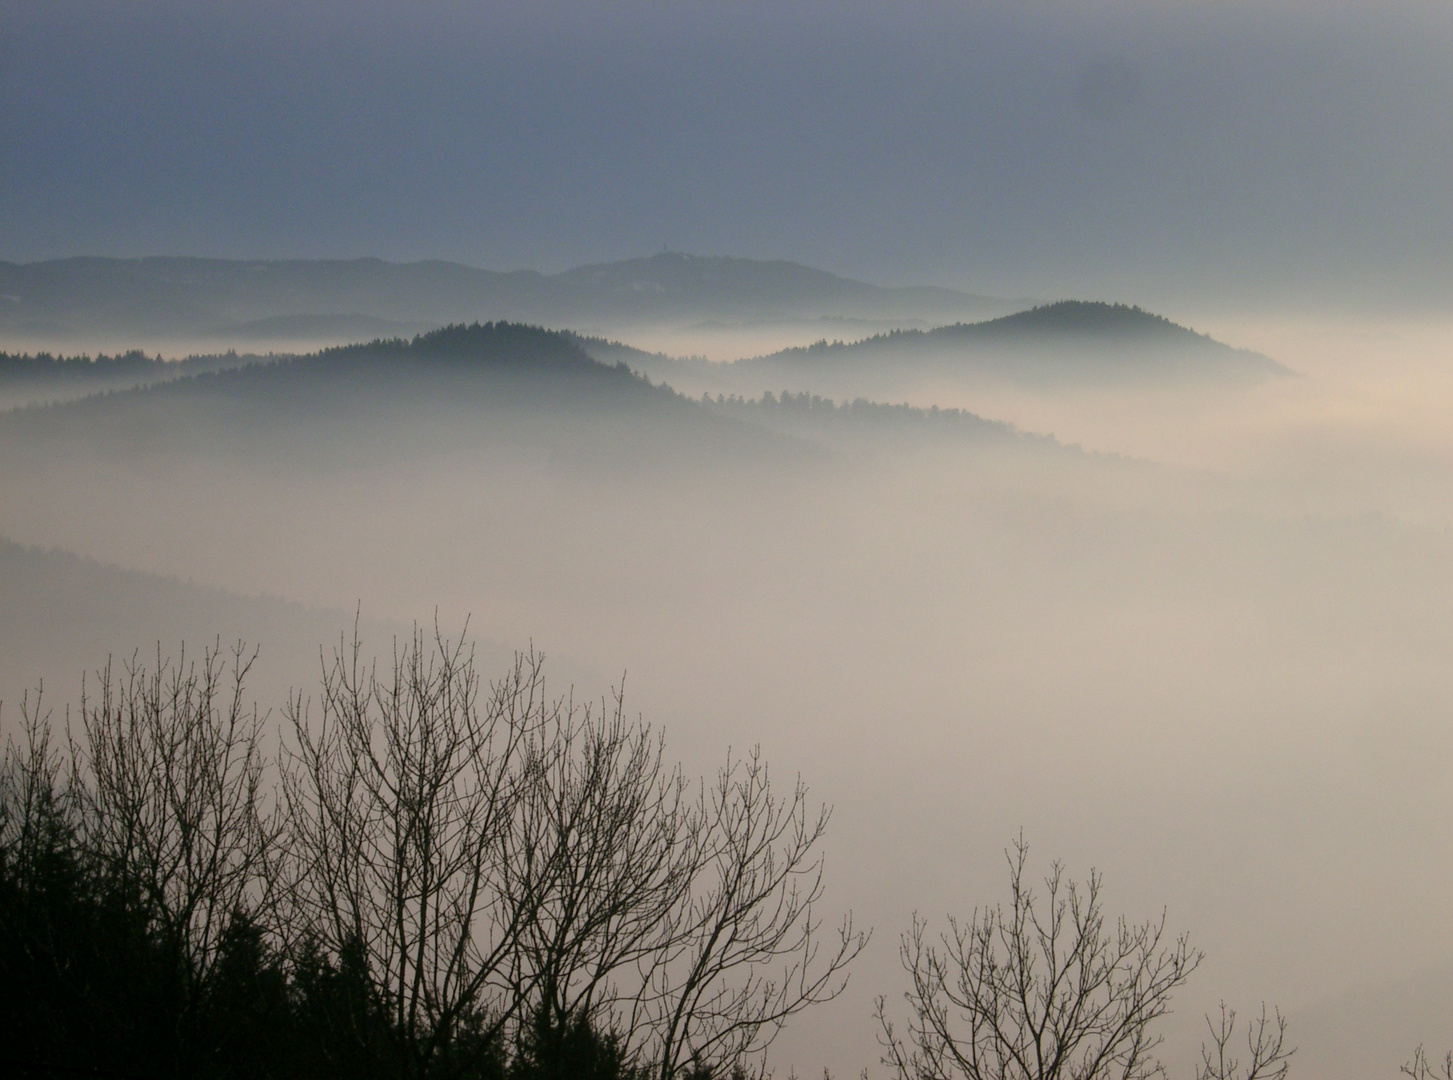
(1042, 990)
(172, 801)
(1265, 1044)
(1424, 1068)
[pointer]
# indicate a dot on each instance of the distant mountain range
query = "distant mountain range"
(249, 302)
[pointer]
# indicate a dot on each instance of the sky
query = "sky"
(1256, 152)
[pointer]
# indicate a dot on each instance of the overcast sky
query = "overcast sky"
(1295, 151)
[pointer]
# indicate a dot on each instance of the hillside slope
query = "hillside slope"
(63, 616)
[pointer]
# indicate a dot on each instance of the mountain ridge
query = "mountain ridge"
(162, 296)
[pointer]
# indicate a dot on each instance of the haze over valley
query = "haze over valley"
(1127, 532)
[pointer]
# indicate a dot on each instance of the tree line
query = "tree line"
(416, 873)
(430, 876)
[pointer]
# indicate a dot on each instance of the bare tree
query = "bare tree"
(1424, 1068)
(622, 841)
(510, 865)
(1265, 1043)
(403, 797)
(682, 929)
(1038, 991)
(747, 949)
(454, 871)
(170, 779)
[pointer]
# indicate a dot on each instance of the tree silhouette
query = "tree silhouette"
(1041, 990)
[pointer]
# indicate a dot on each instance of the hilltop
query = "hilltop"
(1053, 347)
(1079, 334)
(1116, 334)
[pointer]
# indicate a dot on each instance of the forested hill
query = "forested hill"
(1091, 321)
(478, 367)
(498, 346)
(487, 387)
(1068, 337)
(1080, 318)
(25, 366)
(41, 378)
(38, 378)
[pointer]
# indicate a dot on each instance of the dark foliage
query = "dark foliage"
(514, 889)
(498, 345)
(557, 1046)
(92, 987)
(814, 412)
(103, 372)
(89, 983)
(46, 365)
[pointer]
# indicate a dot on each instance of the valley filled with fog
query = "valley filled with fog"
(1178, 608)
